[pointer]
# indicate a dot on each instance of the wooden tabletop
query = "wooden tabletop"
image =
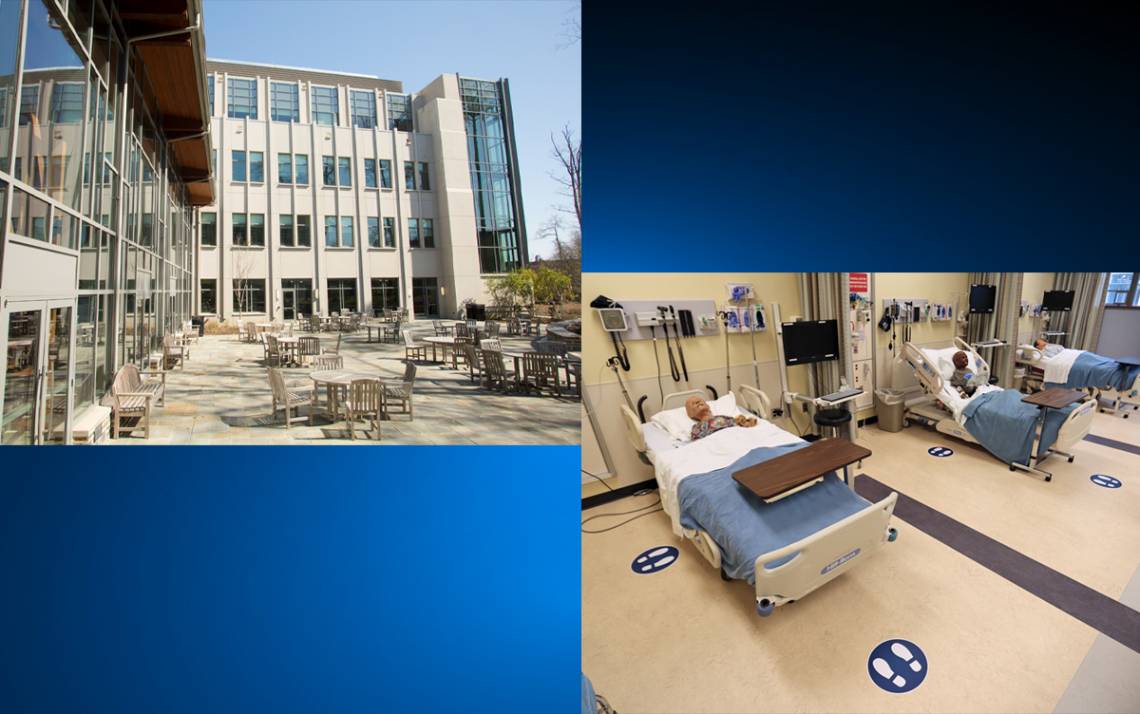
(1054, 397)
(340, 376)
(782, 473)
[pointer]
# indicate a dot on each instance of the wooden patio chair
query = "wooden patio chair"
(542, 371)
(327, 362)
(272, 351)
(495, 374)
(335, 349)
(471, 358)
(314, 323)
(173, 352)
(189, 333)
(364, 401)
(461, 330)
(308, 347)
(242, 335)
(132, 397)
(400, 393)
(413, 350)
(492, 344)
(491, 328)
(289, 397)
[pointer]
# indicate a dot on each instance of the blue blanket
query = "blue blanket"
(1092, 370)
(1005, 425)
(745, 527)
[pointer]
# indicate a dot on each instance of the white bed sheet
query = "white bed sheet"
(673, 464)
(949, 395)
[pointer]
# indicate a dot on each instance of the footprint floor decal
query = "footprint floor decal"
(654, 560)
(897, 666)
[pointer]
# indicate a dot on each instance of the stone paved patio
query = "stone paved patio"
(222, 396)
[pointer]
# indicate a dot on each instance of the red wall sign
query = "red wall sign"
(860, 282)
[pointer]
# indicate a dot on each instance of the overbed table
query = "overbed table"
(1046, 399)
(784, 475)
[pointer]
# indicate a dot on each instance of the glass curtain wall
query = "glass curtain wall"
(95, 181)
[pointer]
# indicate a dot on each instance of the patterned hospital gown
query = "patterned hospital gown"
(708, 426)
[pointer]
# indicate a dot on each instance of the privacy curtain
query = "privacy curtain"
(1082, 324)
(825, 297)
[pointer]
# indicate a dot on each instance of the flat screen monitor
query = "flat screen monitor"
(982, 298)
(1058, 300)
(810, 341)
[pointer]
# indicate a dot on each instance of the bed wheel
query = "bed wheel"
(1071, 459)
(892, 535)
(1012, 469)
(764, 607)
(1049, 478)
(724, 577)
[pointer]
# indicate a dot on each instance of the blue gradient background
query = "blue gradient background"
(198, 579)
(862, 136)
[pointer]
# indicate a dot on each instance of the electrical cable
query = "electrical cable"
(657, 359)
(673, 370)
(599, 479)
(655, 506)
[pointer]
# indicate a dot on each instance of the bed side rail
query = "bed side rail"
(1077, 425)
(677, 399)
(924, 370)
(633, 429)
(755, 401)
(824, 555)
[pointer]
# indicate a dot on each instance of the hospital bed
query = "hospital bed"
(1116, 385)
(787, 547)
(948, 412)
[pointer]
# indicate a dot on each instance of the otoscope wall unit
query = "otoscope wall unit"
(689, 318)
(907, 310)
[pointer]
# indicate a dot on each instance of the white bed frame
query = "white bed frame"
(818, 558)
(1108, 399)
(931, 412)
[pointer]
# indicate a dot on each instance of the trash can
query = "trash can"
(476, 311)
(889, 408)
(199, 321)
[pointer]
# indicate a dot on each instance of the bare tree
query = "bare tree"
(572, 26)
(242, 267)
(568, 152)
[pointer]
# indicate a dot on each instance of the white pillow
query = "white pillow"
(725, 406)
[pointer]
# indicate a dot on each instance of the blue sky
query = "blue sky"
(415, 42)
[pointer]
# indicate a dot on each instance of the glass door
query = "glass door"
(36, 402)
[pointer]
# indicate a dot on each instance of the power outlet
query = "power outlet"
(777, 413)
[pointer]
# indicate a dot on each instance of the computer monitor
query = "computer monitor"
(810, 341)
(1057, 300)
(982, 298)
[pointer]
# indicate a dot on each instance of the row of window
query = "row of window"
(297, 295)
(249, 167)
(294, 231)
(285, 104)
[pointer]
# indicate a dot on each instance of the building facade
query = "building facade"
(342, 192)
(104, 153)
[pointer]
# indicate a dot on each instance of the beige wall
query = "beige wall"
(1033, 287)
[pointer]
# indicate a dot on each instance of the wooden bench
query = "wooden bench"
(132, 396)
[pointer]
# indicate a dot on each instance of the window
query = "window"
(373, 232)
(325, 106)
(330, 231)
(425, 177)
(303, 240)
(67, 102)
(425, 297)
(209, 293)
(238, 163)
(389, 232)
(1123, 290)
(342, 294)
(239, 234)
(286, 231)
(413, 233)
(257, 229)
(208, 227)
(410, 175)
(256, 167)
(210, 91)
(370, 173)
(426, 234)
(346, 231)
(399, 112)
(385, 294)
(284, 102)
(363, 105)
(29, 103)
(301, 166)
(241, 96)
(385, 173)
(284, 168)
(328, 168)
(345, 165)
(249, 295)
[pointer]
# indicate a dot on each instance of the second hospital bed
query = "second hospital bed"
(786, 548)
(993, 417)
(1117, 383)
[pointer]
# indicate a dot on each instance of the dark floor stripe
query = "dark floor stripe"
(1105, 441)
(1098, 611)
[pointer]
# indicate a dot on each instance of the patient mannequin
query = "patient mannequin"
(1047, 349)
(707, 423)
(962, 379)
